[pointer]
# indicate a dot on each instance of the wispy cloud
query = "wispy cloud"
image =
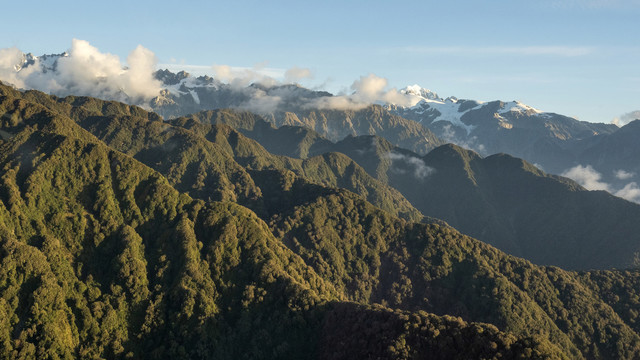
(631, 192)
(591, 179)
(624, 119)
(448, 134)
(588, 177)
(85, 70)
(561, 51)
(623, 174)
(242, 76)
(295, 74)
(420, 170)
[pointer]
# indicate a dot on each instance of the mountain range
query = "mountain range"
(103, 256)
(598, 156)
(499, 199)
(274, 221)
(514, 128)
(552, 142)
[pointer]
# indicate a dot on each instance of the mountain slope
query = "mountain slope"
(95, 240)
(200, 160)
(611, 153)
(501, 200)
(330, 124)
(547, 139)
(292, 141)
(551, 219)
(372, 120)
(436, 269)
(419, 121)
(217, 159)
(101, 257)
(125, 265)
(510, 204)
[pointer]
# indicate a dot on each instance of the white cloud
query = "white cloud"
(448, 134)
(10, 58)
(261, 100)
(261, 103)
(420, 170)
(586, 176)
(87, 71)
(366, 90)
(626, 118)
(623, 175)
(140, 79)
(337, 103)
(369, 87)
(240, 77)
(295, 74)
(631, 192)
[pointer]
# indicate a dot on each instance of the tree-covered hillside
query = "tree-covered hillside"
(501, 200)
(112, 246)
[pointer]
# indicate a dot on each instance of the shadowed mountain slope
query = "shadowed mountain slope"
(499, 199)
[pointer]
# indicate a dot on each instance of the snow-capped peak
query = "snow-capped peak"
(44, 62)
(183, 83)
(49, 61)
(419, 91)
(517, 106)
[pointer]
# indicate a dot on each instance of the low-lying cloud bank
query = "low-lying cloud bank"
(239, 78)
(448, 135)
(421, 171)
(84, 70)
(591, 179)
(367, 90)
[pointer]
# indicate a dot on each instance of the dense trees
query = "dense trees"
(501, 200)
(125, 237)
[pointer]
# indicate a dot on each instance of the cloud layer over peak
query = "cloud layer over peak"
(366, 90)
(84, 70)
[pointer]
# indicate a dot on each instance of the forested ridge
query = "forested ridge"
(499, 199)
(123, 236)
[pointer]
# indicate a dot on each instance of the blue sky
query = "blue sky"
(578, 58)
